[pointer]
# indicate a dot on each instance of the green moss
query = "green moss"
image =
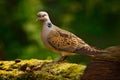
(39, 70)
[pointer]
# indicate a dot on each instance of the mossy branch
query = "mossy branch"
(39, 70)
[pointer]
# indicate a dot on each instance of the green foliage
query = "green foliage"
(95, 21)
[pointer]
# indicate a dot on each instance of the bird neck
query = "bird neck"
(45, 30)
(46, 22)
(47, 25)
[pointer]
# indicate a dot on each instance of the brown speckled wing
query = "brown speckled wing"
(63, 40)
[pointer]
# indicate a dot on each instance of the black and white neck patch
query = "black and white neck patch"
(49, 24)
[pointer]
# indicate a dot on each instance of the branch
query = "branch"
(39, 70)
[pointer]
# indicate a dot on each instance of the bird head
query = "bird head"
(43, 16)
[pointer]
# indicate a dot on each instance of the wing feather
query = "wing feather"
(63, 40)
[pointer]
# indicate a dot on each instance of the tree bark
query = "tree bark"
(104, 67)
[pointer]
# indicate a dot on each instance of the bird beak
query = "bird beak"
(38, 19)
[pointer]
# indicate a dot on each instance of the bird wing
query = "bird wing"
(63, 40)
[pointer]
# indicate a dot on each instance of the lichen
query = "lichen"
(39, 70)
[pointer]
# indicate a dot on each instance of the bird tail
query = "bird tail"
(90, 51)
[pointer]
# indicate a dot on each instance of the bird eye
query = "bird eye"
(43, 15)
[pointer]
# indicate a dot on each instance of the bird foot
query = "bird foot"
(62, 59)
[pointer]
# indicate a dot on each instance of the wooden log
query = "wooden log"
(104, 67)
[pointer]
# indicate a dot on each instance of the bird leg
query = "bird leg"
(62, 58)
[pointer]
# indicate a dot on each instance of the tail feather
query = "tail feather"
(88, 50)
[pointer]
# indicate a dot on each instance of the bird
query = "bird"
(62, 41)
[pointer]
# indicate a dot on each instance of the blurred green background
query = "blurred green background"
(95, 21)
